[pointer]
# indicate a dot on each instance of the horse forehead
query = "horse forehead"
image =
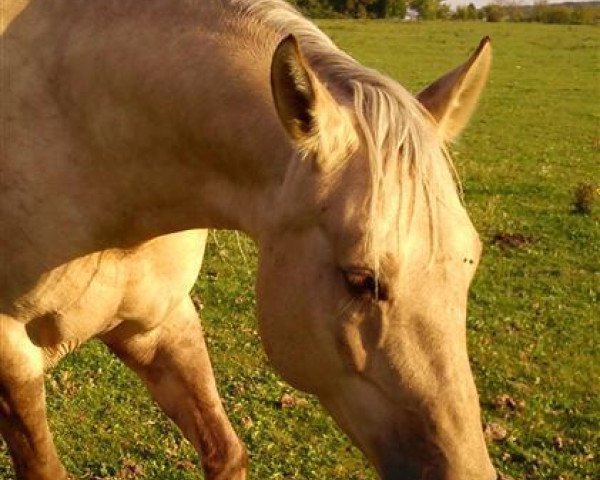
(396, 244)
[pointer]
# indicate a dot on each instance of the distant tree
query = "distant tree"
(494, 12)
(558, 14)
(394, 8)
(356, 8)
(513, 10)
(539, 11)
(430, 9)
(443, 11)
(471, 12)
(314, 8)
(460, 13)
(341, 6)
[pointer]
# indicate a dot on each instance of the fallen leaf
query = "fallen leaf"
(504, 476)
(247, 423)
(504, 401)
(495, 432)
(558, 442)
(287, 401)
(131, 470)
(197, 302)
(185, 465)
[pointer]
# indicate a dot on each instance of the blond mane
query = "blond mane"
(400, 138)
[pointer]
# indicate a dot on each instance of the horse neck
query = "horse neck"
(178, 123)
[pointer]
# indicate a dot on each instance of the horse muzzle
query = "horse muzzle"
(409, 474)
(401, 472)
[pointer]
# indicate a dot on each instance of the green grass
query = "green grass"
(533, 317)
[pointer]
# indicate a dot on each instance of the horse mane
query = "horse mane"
(400, 137)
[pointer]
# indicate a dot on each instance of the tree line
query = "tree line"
(543, 12)
(496, 11)
(368, 8)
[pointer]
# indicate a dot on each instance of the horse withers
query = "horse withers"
(129, 126)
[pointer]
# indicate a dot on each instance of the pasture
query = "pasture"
(533, 317)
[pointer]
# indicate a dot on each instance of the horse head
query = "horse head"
(366, 263)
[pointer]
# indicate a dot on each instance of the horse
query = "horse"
(130, 127)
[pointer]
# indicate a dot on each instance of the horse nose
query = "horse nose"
(441, 476)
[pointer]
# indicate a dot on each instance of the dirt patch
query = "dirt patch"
(513, 240)
(584, 196)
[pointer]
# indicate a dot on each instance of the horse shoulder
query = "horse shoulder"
(96, 293)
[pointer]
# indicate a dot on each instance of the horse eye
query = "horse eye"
(361, 283)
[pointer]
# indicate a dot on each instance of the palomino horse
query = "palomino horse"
(129, 125)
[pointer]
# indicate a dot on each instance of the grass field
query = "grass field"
(534, 313)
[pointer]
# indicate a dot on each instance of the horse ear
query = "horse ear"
(293, 89)
(452, 98)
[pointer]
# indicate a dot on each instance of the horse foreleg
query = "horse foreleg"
(23, 406)
(173, 361)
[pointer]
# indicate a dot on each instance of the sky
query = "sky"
(479, 3)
